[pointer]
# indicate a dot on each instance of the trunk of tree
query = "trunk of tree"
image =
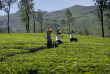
(8, 24)
(34, 23)
(26, 28)
(28, 18)
(28, 24)
(41, 27)
(102, 19)
(34, 19)
(8, 19)
(69, 28)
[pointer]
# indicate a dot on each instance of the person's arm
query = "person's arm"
(48, 29)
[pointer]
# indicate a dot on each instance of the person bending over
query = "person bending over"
(71, 37)
(58, 37)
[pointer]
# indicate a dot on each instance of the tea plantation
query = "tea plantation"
(27, 54)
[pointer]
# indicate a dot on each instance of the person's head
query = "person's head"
(72, 32)
(58, 32)
(49, 31)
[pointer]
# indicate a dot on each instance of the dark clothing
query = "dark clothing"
(49, 41)
(49, 44)
(73, 39)
(59, 41)
(48, 38)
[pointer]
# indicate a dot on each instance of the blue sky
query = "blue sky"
(52, 5)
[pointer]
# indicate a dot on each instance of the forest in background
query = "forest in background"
(85, 23)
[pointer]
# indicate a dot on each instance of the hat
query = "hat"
(59, 32)
(50, 30)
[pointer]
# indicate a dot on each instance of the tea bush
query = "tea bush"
(27, 54)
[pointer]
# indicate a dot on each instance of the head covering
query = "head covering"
(50, 30)
(59, 32)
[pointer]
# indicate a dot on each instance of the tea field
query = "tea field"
(27, 54)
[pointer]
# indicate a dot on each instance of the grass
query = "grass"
(27, 54)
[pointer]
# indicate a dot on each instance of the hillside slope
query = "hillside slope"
(84, 19)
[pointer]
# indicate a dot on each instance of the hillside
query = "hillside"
(84, 19)
(76, 10)
(23, 53)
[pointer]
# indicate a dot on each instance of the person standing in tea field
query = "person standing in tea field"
(71, 37)
(48, 37)
(58, 37)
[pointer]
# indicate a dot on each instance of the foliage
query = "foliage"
(69, 17)
(1, 30)
(39, 17)
(8, 4)
(80, 33)
(27, 53)
(25, 7)
(102, 5)
(84, 17)
(86, 32)
(34, 20)
(1, 4)
(107, 15)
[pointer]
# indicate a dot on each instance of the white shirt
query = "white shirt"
(57, 37)
(71, 35)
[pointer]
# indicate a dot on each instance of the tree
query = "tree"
(80, 33)
(33, 16)
(63, 22)
(34, 22)
(8, 4)
(107, 15)
(25, 9)
(1, 30)
(102, 4)
(1, 5)
(108, 21)
(39, 17)
(86, 31)
(69, 17)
